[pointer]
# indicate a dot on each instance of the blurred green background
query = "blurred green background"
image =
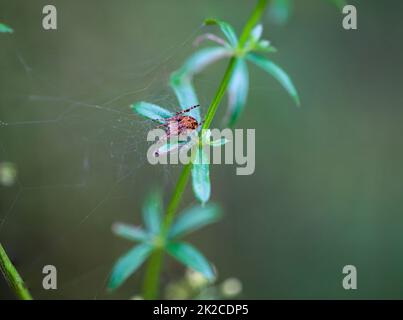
(327, 190)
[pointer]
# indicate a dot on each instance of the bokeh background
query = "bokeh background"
(327, 190)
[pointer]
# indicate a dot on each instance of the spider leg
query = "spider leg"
(162, 125)
(165, 137)
(186, 110)
(160, 120)
(175, 116)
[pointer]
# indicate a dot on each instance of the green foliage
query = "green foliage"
(5, 28)
(183, 88)
(152, 211)
(151, 111)
(193, 219)
(201, 59)
(154, 237)
(130, 232)
(181, 80)
(238, 87)
(218, 142)
(237, 91)
(128, 264)
(226, 29)
(161, 234)
(12, 276)
(279, 74)
(191, 257)
(171, 146)
(201, 176)
(200, 164)
(239, 81)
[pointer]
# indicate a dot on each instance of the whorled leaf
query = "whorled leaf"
(152, 211)
(279, 74)
(191, 257)
(218, 142)
(264, 46)
(169, 147)
(255, 44)
(130, 232)
(5, 28)
(128, 264)
(211, 37)
(200, 60)
(185, 93)
(201, 176)
(151, 111)
(237, 92)
(194, 218)
(226, 29)
(256, 33)
(206, 139)
(181, 80)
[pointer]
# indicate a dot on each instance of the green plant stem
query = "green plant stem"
(176, 197)
(252, 21)
(12, 276)
(220, 93)
(151, 282)
(152, 277)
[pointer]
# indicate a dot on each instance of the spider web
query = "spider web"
(84, 156)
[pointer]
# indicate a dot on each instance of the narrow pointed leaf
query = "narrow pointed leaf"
(181, 80)
(237, 92)
(191, 257)
(194, 218)
(151, 111)
(128, 264)
(5, 28)
(185, 93)
(206, 136)
(200, 60)
(211, 37)
(152, 211)
(264, 43)
(279, 74)
(264, 46)
(201, 176)
(169, 147)
(226, 28)
(256, 33)
(218, 142)
(130, 232)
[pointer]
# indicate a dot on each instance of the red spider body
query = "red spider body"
(179, 124)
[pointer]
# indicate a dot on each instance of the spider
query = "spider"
(179, 123)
